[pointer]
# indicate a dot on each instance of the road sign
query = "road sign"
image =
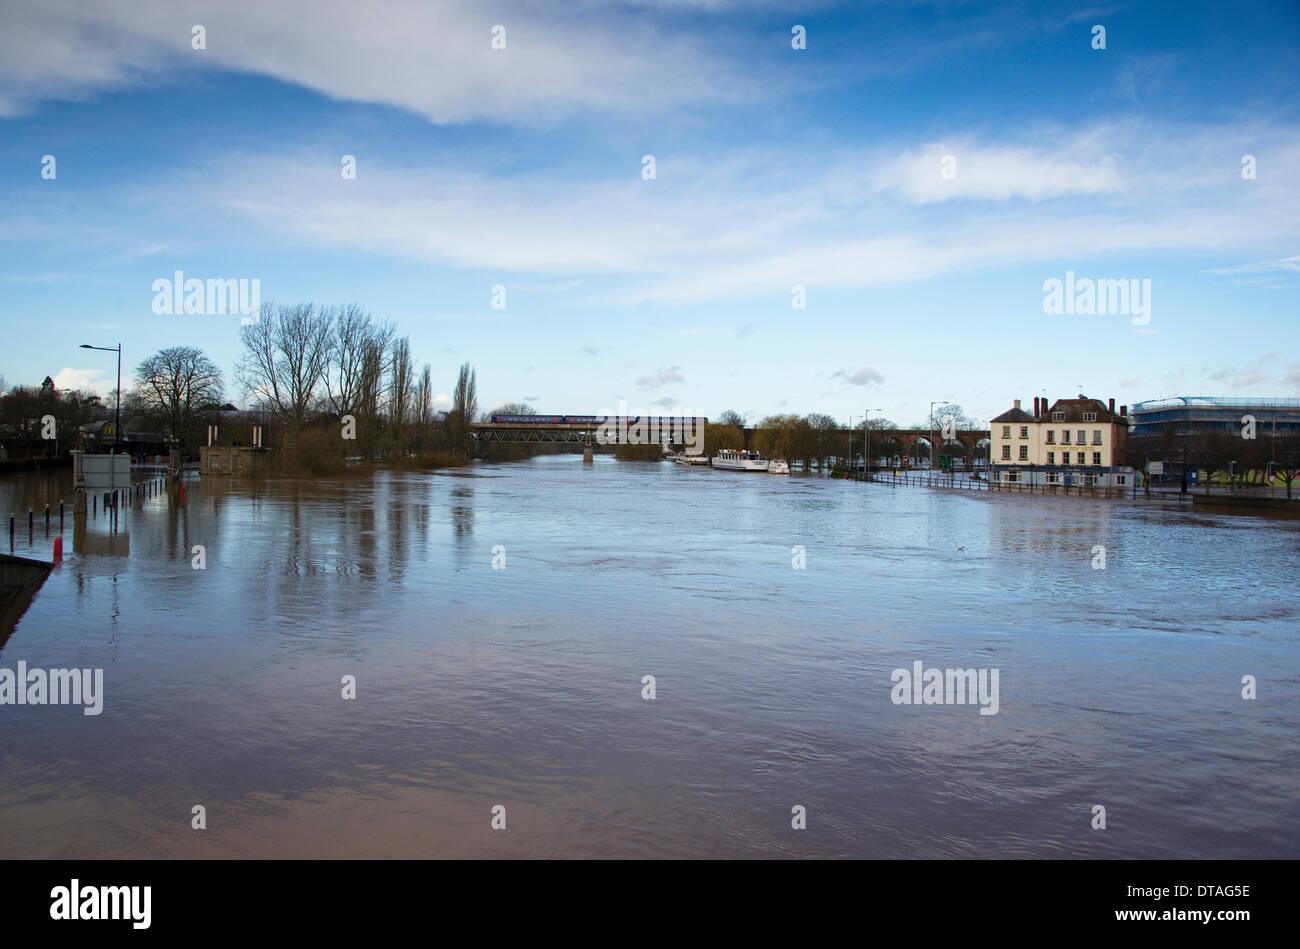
(1155, 467)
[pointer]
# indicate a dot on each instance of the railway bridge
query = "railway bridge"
(675, 431)
(685, 431)
(902, 441)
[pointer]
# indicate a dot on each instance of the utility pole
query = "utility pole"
(851, 418)
(866, 435)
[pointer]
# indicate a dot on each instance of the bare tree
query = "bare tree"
(286, 354)
(423, 408)
(464, 405)
(399, 390)
(177, 384)
(355, 332)
(371, 389)
(825, 437)
(510, 408)
(731, 417)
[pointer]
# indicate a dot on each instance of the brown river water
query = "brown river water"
(773, 686)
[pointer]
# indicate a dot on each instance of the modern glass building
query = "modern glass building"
(1200, 414)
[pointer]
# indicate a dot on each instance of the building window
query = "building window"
(1051, 457)
(1058, 416)
(1053, 477)
(1080, 460)
(1089, 480)
(1024, 431)
(1006, 431)
(1006, 452)
(1096, 457)
(1096, 436)
(1065, 437)
(1051, 436)
(1011, 476)
(1090, 416)
(1121, 479)
(1083, 437)
(1024, 452)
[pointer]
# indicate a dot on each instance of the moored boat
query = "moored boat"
(778, 466)
(731, 460)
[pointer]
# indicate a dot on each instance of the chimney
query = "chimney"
(1123, 410)
(1017, 403)
(1112, 406)
(1035, 406)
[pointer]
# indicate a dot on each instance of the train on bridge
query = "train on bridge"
(658, 421)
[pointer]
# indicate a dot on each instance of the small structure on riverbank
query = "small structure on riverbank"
(233, 460)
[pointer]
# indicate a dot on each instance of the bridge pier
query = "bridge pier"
(587, 458)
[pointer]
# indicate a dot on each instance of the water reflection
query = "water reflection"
(523, 685)
(462, 509)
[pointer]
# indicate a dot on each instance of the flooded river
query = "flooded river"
(500, 623)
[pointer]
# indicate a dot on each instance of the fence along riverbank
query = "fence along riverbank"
(954, 482)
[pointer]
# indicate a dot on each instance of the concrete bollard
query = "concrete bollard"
(47, 518)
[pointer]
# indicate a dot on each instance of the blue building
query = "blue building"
(1199, 415)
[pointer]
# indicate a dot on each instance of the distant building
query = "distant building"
(1200, 415)
(1072, 443)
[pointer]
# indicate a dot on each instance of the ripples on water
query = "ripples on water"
(523, 686)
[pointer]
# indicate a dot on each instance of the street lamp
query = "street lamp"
(117, 413)
(932, 405)
(866, 435)
(851, 418)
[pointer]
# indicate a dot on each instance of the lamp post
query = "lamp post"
(866, 436)
(117, 412)
(932, 405)
(851, 418)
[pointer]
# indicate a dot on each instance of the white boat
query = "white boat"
(684, 459)
(778, 466)
(731, 460)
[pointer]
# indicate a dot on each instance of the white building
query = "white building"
(1074, 443)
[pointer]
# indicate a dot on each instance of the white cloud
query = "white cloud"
(432, 58)
(88, 380)
(995, 173)
(748, 224)
(1284, 264)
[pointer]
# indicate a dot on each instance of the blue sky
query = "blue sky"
(774, 167)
